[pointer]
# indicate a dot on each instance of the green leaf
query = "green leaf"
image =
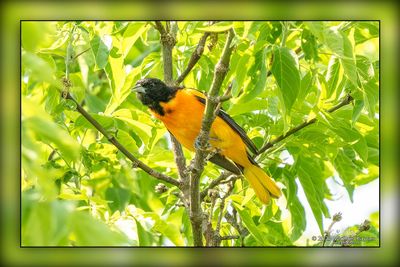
(131, 34)
(310, 176)
(250, 225)
(127, 141)
(141, 127)
(346, 170)
(334, 40)
(298, 216)
(52, 99)
(365, 68)
(67, 196)
(333, 75)
(241, 72)
(94, 103)
(40, 69)
(145, 237)
(348, 61)
(116, 75)
(309, 45)
(260, 76)
(37, 34)
(266, 214)
(340, 44)
(371, 96)
(358, 107)
(351, 136)
(373, 156)
(255, 104)
(305, 86)
(105, 121)
(44, 223)
(100, 51)
(39, 123)
(89, 231)
(78, 87)
(366, 30)
(118, 197)
(68, 104)
(169, 230)
(365, 178)
(317, 28)
(286, 72)
(276, 235)
(121, 93)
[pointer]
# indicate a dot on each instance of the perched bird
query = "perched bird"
(181, 110)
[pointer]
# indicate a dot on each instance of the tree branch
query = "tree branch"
(194, 58)
(214, 183)
(197, 165)
(114, 141)
(168, 42)
(229, 237)
(65, 94)
(347, 100)
(160, 27)
(213, 237)
(232, 220)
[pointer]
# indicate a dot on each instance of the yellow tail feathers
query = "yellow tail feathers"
(263, 185)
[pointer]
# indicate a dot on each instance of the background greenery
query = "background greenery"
(78, 190)
(12, 12)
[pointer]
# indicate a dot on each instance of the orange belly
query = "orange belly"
(183, 117)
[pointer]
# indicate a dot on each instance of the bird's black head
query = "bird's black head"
(151, 92)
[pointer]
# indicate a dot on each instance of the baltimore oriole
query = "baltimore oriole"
(181, 110)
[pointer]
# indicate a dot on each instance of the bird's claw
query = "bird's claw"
(208, 148)
(198, 145)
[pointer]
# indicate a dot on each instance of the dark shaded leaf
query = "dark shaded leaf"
(309, 45)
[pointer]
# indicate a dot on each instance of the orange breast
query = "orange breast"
(183, 117)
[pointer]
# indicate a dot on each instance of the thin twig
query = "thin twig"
(121, 148)
(225, 97)
(232, 219)
(213, 196)
(196, 55)
(222, 206)
(336, 218)
(347, 100)
(214, 183)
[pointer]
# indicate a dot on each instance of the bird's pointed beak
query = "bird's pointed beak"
(139, 89)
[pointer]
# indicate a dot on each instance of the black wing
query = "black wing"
(225, 163)
(223, 115)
